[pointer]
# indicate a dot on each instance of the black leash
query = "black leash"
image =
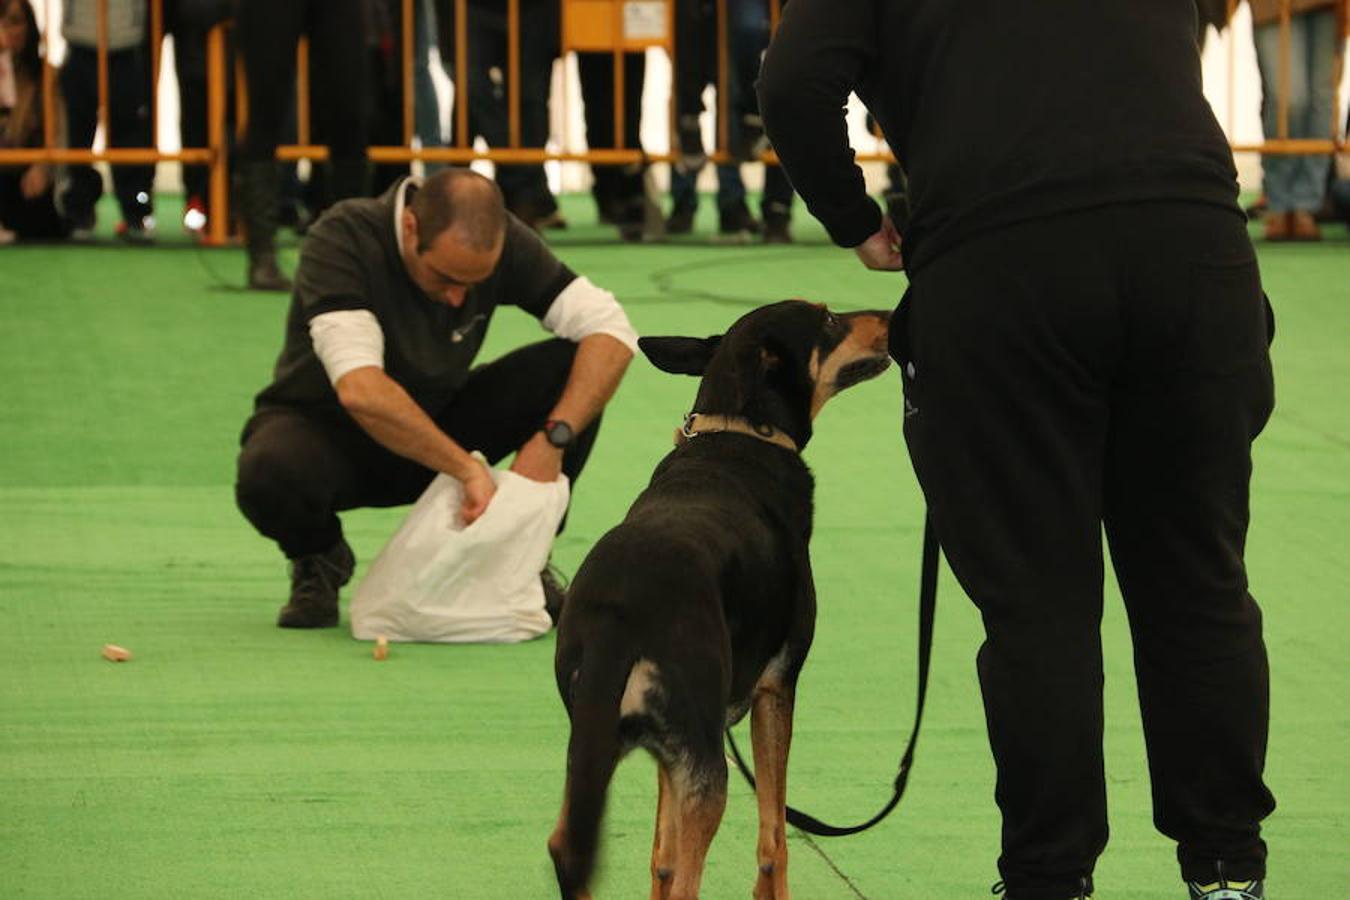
(927, 610)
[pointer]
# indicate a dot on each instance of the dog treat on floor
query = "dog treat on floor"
(381, 651)
(115, 653)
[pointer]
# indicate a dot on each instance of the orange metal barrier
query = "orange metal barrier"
(587, 25)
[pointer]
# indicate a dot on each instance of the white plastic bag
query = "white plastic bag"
(439, 581)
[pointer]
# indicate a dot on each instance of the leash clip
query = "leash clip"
(687, 429)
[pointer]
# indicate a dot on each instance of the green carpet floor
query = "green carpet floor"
(231, 759)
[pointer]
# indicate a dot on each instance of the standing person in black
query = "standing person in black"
(618, 188)
(268, 33)
(376, 388)
(1083, 343)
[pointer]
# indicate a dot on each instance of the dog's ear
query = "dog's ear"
(680, 355)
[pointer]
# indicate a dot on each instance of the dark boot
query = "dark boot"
(259, 184)
(315, 580)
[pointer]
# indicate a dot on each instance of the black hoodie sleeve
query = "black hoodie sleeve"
(817, 58)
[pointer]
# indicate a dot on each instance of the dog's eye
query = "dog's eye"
(831, 320)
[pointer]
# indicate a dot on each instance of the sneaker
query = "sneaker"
(1223, 889)
(735, 225)
(265, 275)
(194, 217)
(315, 580)
(137, 232)
(1303, 226)
(555, 592)
(1275, 226)
(777, 228)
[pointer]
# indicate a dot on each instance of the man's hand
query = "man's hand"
(478, 490)
(882, 250)
(538, 460)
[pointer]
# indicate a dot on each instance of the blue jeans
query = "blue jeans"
(1298, 182)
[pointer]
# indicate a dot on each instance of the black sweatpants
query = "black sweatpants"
(298, 470)
(128, 126)
(618, 189)
(267, 36)
(1106, 367)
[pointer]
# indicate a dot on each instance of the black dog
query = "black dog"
(700, 605)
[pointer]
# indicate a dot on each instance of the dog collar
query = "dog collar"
(702, 423)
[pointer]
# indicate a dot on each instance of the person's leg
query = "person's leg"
(539, 47)
(695, 59)
(342, 67)
(1315, 46)
(79, 87)
(1279, 172)
(295, 472)
(266, 35)
(129, 126)
(748, 36)
(1003, 343)
(1195, 391)
(618, 189)
(427, 109)
(189, 61)
(505, 402)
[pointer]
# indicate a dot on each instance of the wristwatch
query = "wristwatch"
(559, 433)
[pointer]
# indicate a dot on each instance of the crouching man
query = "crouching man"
(375, 391)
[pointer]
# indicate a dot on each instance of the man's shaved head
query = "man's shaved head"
(463, 200)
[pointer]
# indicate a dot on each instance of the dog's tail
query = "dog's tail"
(592, 755)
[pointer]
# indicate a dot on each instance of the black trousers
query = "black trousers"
(524, 186)
(618, 189)
(267, 34)
(189, 21)
(1107, 367)
(298, 470)
(128, 126)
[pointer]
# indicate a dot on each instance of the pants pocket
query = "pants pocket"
(1231, 322)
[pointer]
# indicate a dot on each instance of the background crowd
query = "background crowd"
(357, 101)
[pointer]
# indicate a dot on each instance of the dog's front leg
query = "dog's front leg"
(771, 734)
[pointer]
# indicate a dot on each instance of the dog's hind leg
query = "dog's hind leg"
(699, 797)
(557, 849)
(667, 830)
(771, 735)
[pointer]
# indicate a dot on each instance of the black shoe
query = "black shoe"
(555, 592)
(736, 225)
(265, 275)
(315, 580)
(777, 227)
(681, 219)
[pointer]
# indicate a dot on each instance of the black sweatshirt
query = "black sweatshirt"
(999, 110)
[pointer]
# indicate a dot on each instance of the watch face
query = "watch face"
(559, 433)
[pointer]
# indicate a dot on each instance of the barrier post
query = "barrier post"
(218, 228)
